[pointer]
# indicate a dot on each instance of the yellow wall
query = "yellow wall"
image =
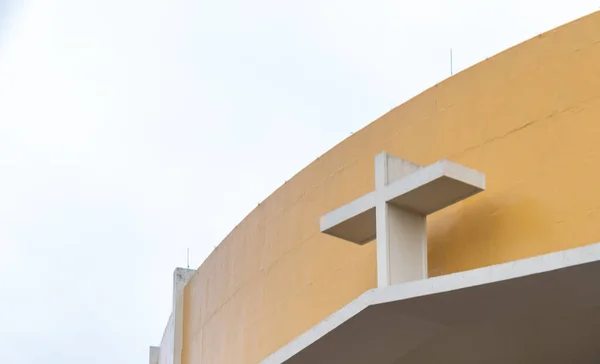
(529, 118)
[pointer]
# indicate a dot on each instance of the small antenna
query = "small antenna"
(451, 68)
(188, 258)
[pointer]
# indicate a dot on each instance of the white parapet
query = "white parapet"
(154, 354)
(170, 348)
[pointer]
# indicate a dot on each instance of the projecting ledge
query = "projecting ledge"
(539, 310)
(434, 187)
(354, 221)
(424, 191)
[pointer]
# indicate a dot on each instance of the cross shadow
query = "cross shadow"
(483, 233)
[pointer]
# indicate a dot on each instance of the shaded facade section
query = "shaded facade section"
(544, 309)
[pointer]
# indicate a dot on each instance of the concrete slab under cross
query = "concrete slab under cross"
(395, 213)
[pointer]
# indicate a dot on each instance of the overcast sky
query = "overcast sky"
(128, 128)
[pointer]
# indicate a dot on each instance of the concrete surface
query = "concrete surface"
(395, 213)
(170, 348)
(181, 277)
(154, 354)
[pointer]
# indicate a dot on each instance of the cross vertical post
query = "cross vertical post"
(401, 235)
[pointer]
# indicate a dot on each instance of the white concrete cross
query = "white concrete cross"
(395, 213)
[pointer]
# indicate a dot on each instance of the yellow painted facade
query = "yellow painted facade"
(529, 118)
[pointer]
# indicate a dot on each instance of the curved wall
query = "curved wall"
(529, 118)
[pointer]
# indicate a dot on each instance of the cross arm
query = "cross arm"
(435, 187)
(354, 221)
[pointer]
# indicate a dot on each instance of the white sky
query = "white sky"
(127, 129)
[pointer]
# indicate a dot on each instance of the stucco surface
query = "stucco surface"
(529, 118)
